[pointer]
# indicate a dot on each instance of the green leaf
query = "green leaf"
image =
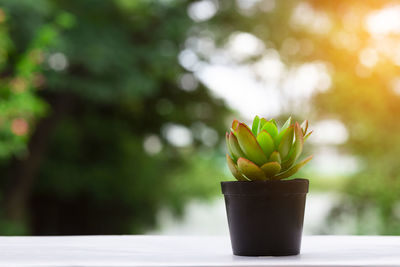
(292, 170)
(287, 124)
(266, 142)
(235, 148)
(270, 127)
(234, 170)
(271, 169)
(286, 143)
(256, 123)
(228, 146)
(250, 170)
(296, 149)
(283, 130)
(249, 145)
(235, 124)
(275, 156)
(261, 124)
(274, 122)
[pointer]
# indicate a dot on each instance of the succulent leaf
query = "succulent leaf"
(304, 127)
(292, 170)
(228, 146)
(307, 135)
(286, 142)
(275, 156)
(283, 129)
(235, 124)
(274, 122)
(250, 170)
(256, 123)
(266, 142)
(234, 170)
(270, 127)
(249, 145)
(287, 123)
(263, 152)
(235, 148)
(261, 124)
(296, 149)
(271, 169)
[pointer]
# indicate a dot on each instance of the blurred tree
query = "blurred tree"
(99, 159)
(109, 94)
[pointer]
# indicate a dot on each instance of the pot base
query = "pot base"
(265, 218)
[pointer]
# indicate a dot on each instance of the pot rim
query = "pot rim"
(265, 188)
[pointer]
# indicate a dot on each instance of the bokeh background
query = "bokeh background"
(113, 112)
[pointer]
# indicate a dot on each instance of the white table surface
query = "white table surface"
(191, 251)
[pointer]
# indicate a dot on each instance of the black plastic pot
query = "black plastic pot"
(265, 217)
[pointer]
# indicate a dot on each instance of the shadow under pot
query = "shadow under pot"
(265, 218)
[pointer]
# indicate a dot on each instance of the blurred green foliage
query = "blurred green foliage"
(84, 83)
(20, 105)
(99, 78)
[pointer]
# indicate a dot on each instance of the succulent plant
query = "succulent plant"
(265, 152)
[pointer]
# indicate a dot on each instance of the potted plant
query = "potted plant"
(265, 212)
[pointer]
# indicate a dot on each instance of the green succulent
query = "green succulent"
(266, 152)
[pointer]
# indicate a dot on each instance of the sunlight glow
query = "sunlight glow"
(396, 86)
(384, 21)
(243, 45)
(238, 87)
(265, 87)
(188, 82)
(329, 161)
(152, 144)
(177, 135)
(369, 57)
(332, 132)
(58, 61)
(188, 59)
(270, 67)
(304, 16)
(202, 10)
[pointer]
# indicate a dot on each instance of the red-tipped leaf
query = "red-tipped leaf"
(234, 170)
(286, 142)
(292, 170)
(296, 149)
(249, 145)
(250, 170)
(235, 148)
